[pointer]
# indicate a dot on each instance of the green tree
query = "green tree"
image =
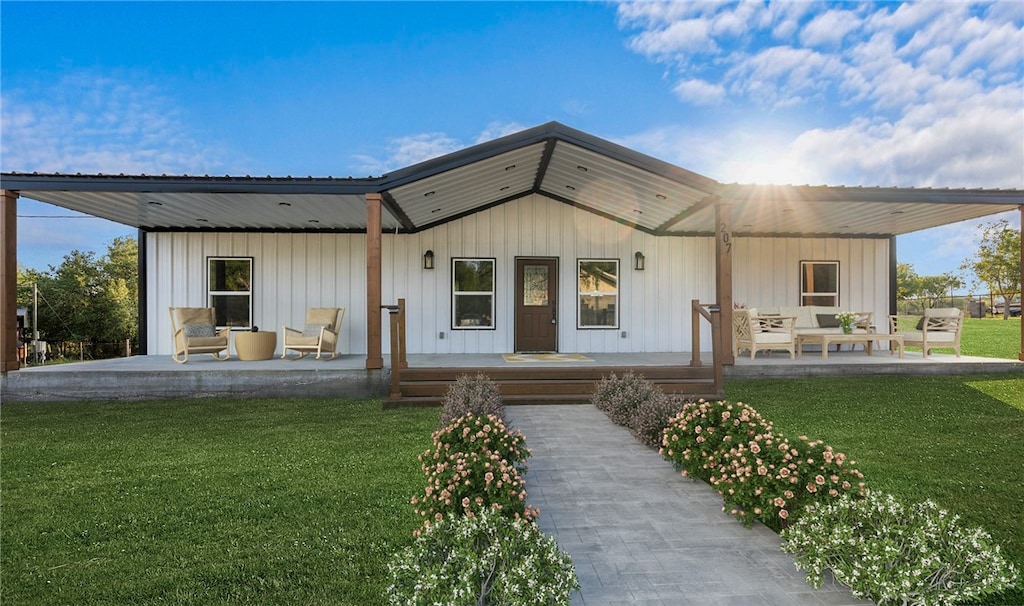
(997, 260)
(88, 299)
(908, 283)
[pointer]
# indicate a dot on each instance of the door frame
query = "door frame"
(516, 293)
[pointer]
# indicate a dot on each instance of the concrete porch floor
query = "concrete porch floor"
(153, 377)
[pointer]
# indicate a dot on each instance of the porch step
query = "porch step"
(549, 385)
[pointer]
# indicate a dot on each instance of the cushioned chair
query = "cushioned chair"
(753, 332)
(320, 334)
(937, 328)
(195, 332)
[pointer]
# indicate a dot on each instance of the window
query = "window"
(472, 294)
(598, 288)
(230, 288)
(819, 283)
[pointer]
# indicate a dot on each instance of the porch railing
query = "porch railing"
(396, 314)
(711, 313)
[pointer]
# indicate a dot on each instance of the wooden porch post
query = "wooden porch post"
(723, 276)
(374, 358)
(9, 280)
(1020, 354)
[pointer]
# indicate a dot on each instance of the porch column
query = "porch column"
(374, 358)
(723, 276)
(9, 280)
(1020, 354)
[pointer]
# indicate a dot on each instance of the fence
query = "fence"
(974, 306)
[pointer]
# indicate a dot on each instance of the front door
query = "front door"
(536, 305)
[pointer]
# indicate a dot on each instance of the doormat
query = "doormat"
(547, 357)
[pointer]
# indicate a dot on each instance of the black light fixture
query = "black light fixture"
(428, 260)
(638, 261)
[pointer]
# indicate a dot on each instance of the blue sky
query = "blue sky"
(919, 94)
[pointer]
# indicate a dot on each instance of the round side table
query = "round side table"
(255, 345)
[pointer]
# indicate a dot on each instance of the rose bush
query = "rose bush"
(475, 464)
(694, 438)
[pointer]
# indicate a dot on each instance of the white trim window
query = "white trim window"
(472, 294)
(819, 283)
(229, 284)
(597, 293)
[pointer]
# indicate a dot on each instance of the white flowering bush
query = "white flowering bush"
(893, 553)
(486, 559)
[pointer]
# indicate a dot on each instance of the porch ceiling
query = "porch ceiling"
(564, 164)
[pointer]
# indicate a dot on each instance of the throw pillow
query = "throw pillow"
(199, 331)
(313, 330)
(828, 321)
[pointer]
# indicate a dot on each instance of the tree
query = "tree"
(88, 299)
(997, 261)
(908, 283)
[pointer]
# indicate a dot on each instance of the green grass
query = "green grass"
(957, 440)
(990, 338)
(205, 501)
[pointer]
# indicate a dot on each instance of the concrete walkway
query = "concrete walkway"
(638, 533)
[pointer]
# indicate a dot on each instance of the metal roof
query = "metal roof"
(554, 160)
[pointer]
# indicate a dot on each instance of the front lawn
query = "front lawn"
(990, 338)
(206, 501)
(958, 441)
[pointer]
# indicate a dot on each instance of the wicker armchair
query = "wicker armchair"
(320, 333)
(195, 332)
(753, 332)
(938, 328)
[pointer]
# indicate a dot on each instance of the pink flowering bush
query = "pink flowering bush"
(695, 439)
(471, 394)
(620, 396)
(476, 464)
(653, 415)
(775, 480)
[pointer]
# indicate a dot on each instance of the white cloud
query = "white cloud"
(699, 92)
(917, 94)
(99, 123)
(829, 28)
(496, 130)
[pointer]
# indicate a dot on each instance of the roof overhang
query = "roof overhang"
(553, 160)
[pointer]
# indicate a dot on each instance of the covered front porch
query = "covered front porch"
(157, 377)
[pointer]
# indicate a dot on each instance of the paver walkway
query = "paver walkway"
(638, 533)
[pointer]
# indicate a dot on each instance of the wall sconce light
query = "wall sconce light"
(638, 261)
(428, 260)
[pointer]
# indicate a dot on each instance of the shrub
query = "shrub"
(653, 415)
(486, 559)
(620, 396)
(476, 395)
(693, 438)
(894, 553)
(773, 479)
(475, 464)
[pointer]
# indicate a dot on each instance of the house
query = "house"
(549, 239)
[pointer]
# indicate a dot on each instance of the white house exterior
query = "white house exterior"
(292, 271)
(630, 241)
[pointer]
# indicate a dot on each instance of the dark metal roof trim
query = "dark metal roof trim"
(701, 205)
(545, 161)
(600, 213)
(188, 184)
(396, 211)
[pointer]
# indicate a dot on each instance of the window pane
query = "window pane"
(231, 310)
(597, 310)
(473, 310)
(826, 300)
(821, 277)
(474, 276)
(535, 285)
(230, 275)
(598, 292)
(599, 276)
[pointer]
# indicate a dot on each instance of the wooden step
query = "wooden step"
(525, 385)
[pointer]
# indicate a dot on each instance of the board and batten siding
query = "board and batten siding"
(766, 272)
(293, 271)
